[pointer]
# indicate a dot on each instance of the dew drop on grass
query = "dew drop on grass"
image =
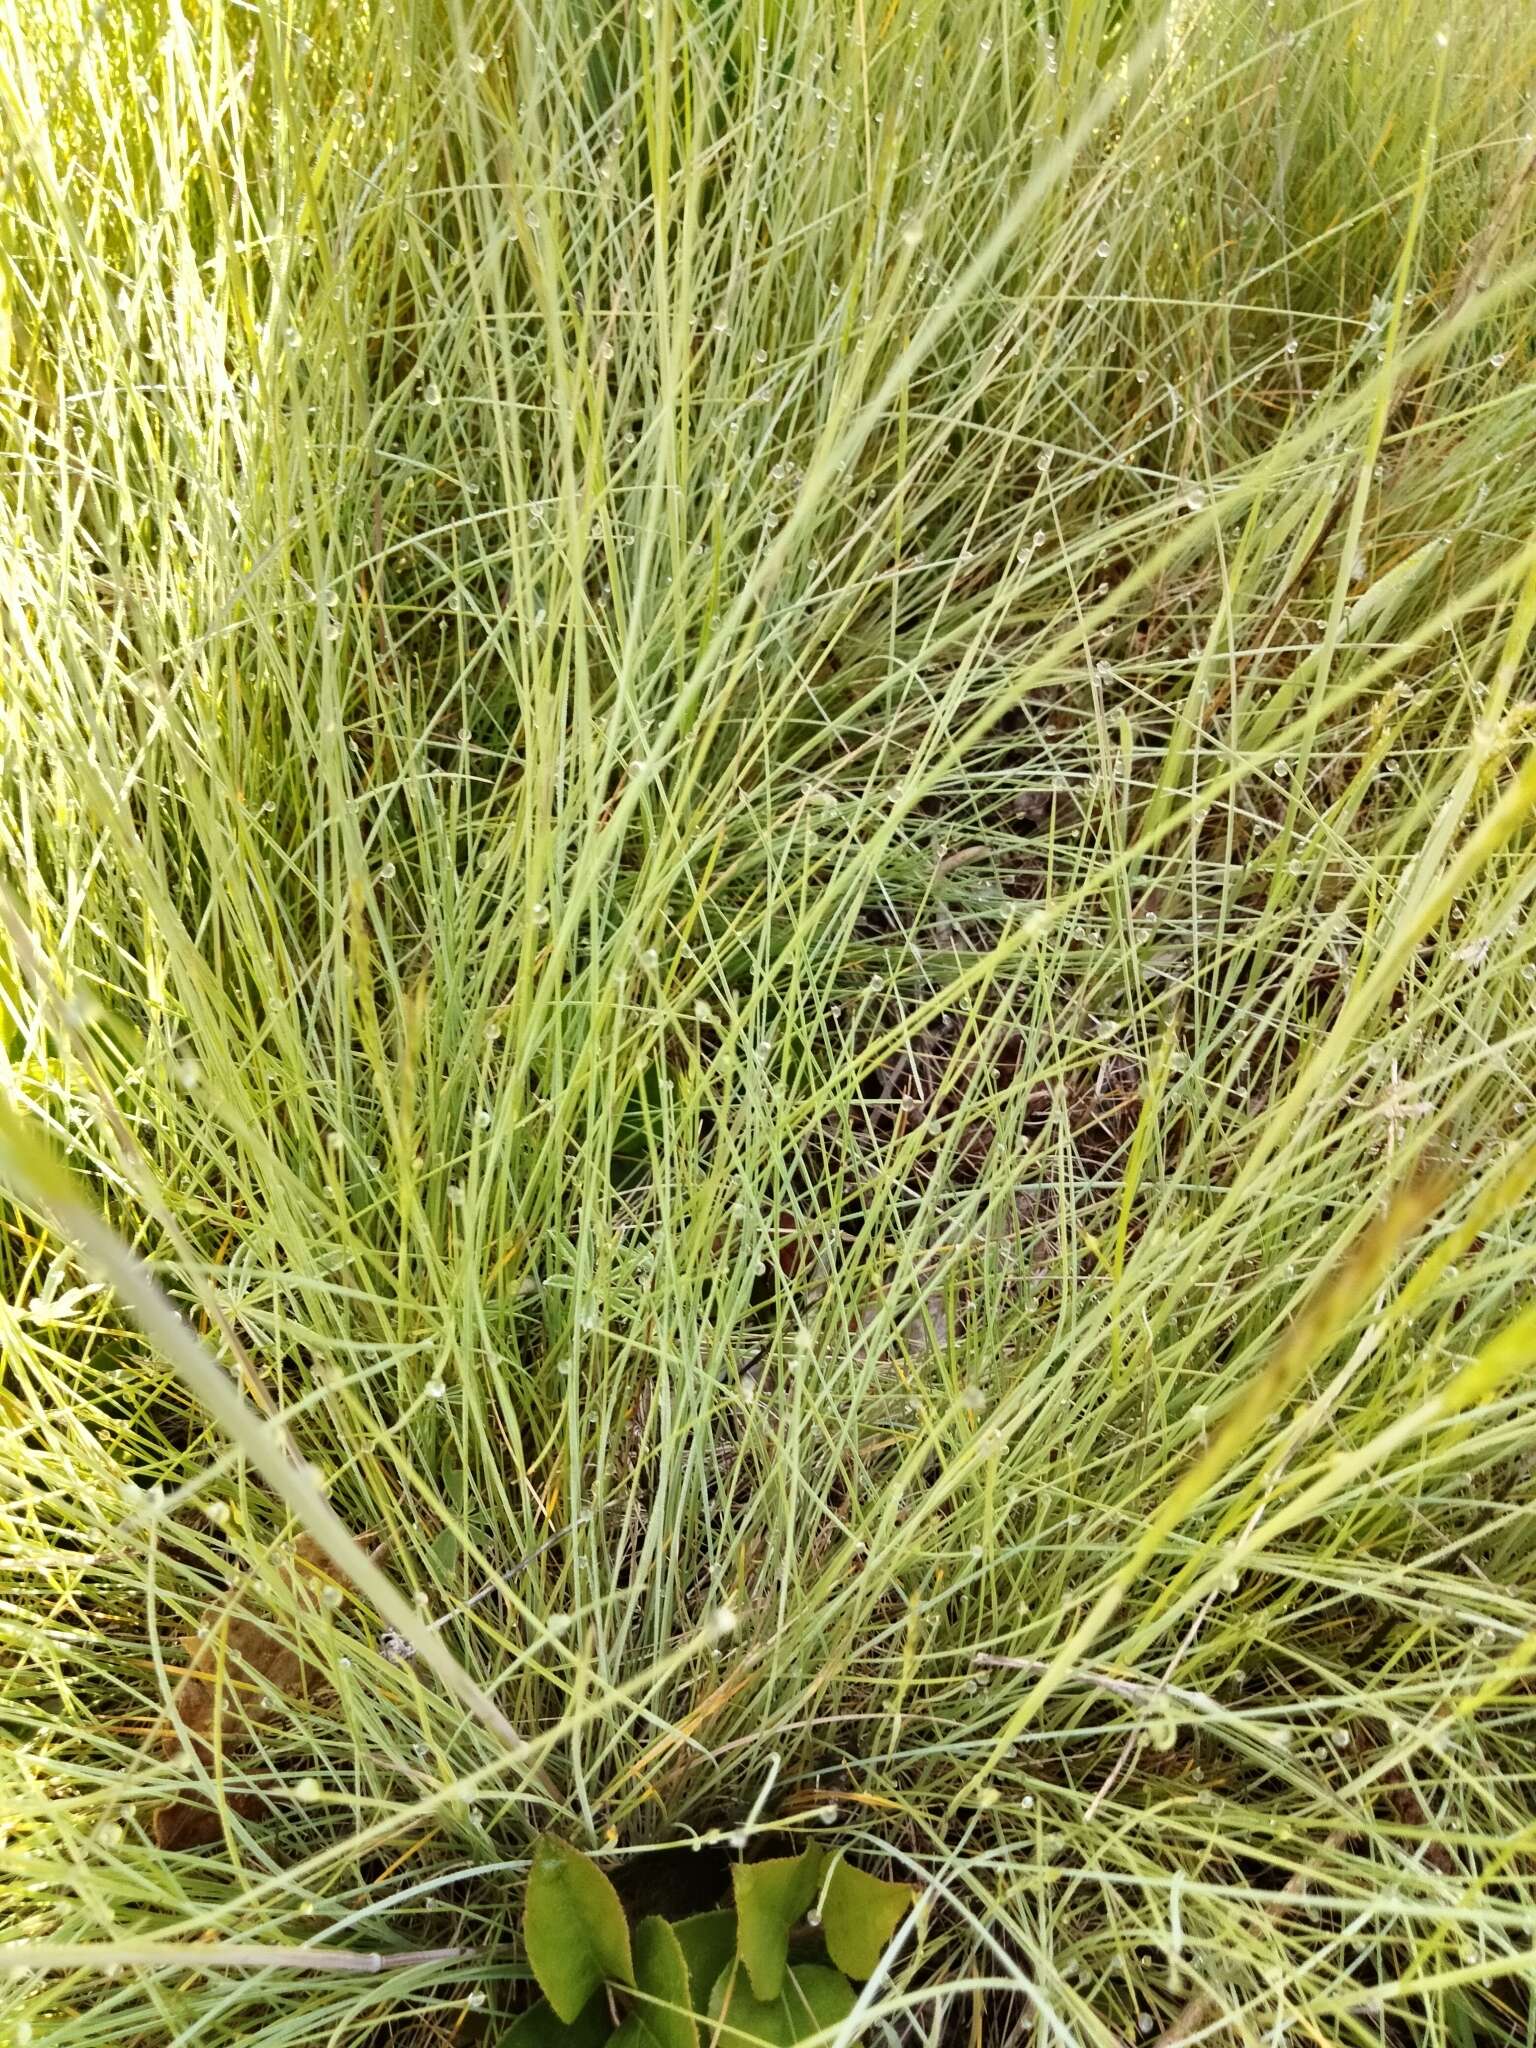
(435, 1390)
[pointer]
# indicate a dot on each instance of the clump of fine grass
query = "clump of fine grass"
(763, 820)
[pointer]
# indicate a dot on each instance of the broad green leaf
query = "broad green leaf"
(663, 2007)
(708, 1942)
(858, 1917)
(540, 2027)
(573, 1928)
(813, 2001)
(770, 1898)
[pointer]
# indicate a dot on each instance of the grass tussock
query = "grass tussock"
(765, 815)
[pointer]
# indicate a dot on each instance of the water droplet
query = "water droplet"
(309, 1790)
(1102, 251)
(435, 1390)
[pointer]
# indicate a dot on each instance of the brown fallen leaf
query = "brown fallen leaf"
(237, 1664)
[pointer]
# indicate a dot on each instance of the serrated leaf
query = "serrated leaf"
(573, 1928)
(708, 1942)
(241, 1665)
(664, 2003)
(859, 1915)
(541, 2027)
(812, 2001)
(770, 1897)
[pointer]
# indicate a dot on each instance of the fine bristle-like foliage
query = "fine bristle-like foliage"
(766, 821)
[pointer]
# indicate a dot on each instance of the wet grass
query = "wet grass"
(765, 822)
